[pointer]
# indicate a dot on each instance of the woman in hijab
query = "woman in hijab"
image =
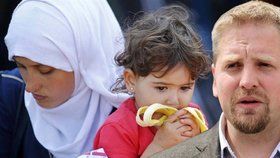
(64, 50)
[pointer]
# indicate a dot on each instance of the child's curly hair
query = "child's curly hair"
(162, 39)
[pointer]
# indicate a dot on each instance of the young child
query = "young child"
(162, 60)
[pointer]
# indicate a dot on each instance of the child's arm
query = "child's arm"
(116, 141)
(176, 129)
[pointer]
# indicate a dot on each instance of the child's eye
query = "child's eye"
(185, 88)
(161, 88)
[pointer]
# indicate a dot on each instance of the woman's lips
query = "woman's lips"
(38, 97)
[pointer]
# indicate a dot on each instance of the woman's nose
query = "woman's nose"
(32, 84)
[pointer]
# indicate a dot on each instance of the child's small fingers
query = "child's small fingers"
(188, 121)
(187, 115)
(173, 125)
(189, 134)
(176, 115)
(185, 128)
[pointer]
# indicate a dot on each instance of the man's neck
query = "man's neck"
(257, 145)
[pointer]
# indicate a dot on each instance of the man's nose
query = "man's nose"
(249, 78)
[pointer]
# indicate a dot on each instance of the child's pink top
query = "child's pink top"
(121, 137)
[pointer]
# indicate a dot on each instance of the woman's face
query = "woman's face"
(49, 86)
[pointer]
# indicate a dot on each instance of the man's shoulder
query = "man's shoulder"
(204, 145)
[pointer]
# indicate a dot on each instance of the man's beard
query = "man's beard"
(249, 121)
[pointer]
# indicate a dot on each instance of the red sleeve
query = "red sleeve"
(116, 141)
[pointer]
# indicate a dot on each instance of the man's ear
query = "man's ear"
(129, 79)
(214, 86)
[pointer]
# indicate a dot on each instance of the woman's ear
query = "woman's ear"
(129, 79)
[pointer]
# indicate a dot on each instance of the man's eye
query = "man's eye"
(233, 65)
(261, 64)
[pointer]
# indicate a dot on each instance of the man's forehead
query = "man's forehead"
(239, 56)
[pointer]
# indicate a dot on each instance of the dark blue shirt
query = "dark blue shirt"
(17, 139)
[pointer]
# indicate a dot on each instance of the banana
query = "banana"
(148, 112)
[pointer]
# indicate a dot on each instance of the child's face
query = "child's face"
(175, 88)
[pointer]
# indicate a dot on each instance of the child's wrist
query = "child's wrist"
(156, 147)
(152, 149)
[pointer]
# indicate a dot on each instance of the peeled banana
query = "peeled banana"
(149, 111)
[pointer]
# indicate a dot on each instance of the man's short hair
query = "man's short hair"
(253, 11)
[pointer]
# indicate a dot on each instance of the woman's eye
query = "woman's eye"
(46, 71)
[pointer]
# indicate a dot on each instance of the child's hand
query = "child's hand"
(177, 128)
(188, 120)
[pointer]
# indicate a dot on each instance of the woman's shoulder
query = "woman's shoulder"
(11, 87)
(10, 82)
(17, 139)
(11, 76)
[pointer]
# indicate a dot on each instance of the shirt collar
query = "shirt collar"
(223, 142)
(226, 147)
(276, 152)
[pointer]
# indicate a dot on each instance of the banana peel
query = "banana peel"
(149, 111)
